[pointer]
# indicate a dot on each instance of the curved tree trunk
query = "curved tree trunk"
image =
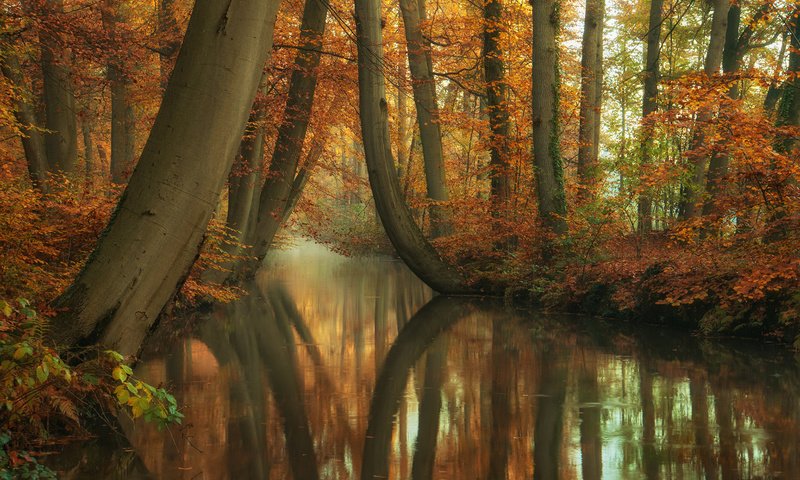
(155, 234)
(395, 215)
(25, 114)
(691, 204)
(652, 77)
(424, 88)
(292, 132)
(546, 123)
(61, 141)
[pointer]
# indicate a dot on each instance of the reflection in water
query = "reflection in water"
(345, 368)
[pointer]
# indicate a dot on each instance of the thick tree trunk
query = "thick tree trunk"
(591, 80)
(691, 203)
(61, 140)
(25, 114)
(123, 123)
(155, 234)
(292, 132)
(395, 215)
(546, 122)
(424, 88)
(652, 77)
(496, 87)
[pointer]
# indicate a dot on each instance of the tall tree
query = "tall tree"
(736, 45)
(424, 88)
(61, 138)
(651, 79)
(591, 95)
(123, 123)
(292, 131)
(155, 235)
(496, 103)
(691, 203)
(405, 235)
(549, 170)
(25, 114)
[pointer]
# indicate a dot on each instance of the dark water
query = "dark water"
(349, 368)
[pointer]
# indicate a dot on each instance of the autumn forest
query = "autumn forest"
(169, 170)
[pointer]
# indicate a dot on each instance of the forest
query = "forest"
(633, 161)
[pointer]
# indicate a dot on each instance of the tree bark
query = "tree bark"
(496, 88)
(123, 123)
(424, 88)
(395, 215)
(155, 234)
(25, 114)
(652, 77)
(546, 123)
(591, 81)
(61, 139)
(691, 203)
(292, 132)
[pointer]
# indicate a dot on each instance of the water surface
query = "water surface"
(342, 368)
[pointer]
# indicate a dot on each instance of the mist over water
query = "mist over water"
(342, 368)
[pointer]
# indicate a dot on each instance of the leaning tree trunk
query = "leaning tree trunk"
(61, 139)
(496, 103)
(405, 235)
(123, 124)
(25, 114)
(591, 67)
(292, 132)
(691, 203)
(424, 88)
(652, 77)
(546, 122)
(155, 234)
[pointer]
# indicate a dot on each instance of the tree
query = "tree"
(424, 88)
(292, 132)
(496, 98)
(591, 95)
(651, 79)
(25, 114)
(395, 215)
(61, 139)
(691, 203)
(549, 171)
(123, 123)
(155, 234)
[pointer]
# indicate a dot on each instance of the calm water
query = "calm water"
(350, 368)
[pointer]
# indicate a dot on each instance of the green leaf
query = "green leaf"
(41, 374)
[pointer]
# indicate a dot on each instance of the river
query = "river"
(347, 368)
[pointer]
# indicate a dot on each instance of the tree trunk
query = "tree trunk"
(424, 88)
(546, 123)
(591, 80)
(88, 147)
(25, 114)
(155, 235)
(652, 77)
(169, 39)
(123, 123)
(292, 132)
(61, 140)
(775, 90)
(494, 73)
(691, 203)
(395, 215)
